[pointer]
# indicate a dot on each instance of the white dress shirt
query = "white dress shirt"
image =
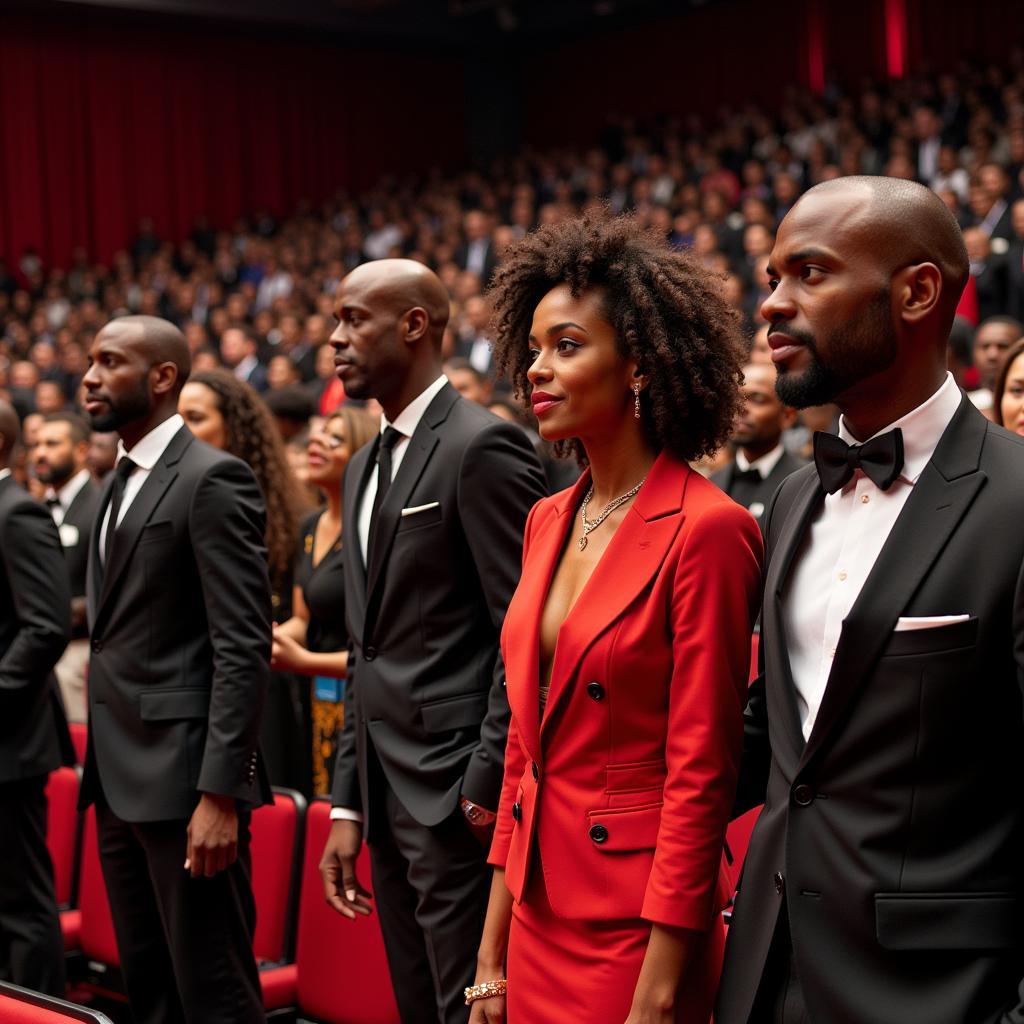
(842, 545)
(66, 495)
(763, 465)
(4, 473)
(145, 455)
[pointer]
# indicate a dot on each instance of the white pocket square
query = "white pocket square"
(909, 622)
(419, 508)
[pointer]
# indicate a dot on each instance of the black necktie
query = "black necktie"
(881, 459)
(121, 474)
(388, 440)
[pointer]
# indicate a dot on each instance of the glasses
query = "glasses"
(333, 441)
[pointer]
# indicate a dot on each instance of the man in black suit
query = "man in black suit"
(884, 878)
(477, 253)
(761, 463)
(34, 627)
(434, 512)
(179, 615)
(59, 461)
(1015, 263)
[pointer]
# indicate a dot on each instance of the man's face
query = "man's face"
(993, 181)
(763, 417)
(990, 346)
(830, 311)
(117, 383)
(54, 458)
(1017, 218)
(369, 354)
(102, 453)
(233, 346)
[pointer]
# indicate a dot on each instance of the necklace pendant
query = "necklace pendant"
(583, 542)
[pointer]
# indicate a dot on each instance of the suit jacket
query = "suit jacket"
(426, 681)
(81, 514)
(626, 785)
(180, 630)
(758, 497)
(35, 623)
(894, 834)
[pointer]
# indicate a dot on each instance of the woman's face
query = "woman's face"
(198, 407)
(1012, 405)
(581, 382)
(327, 453)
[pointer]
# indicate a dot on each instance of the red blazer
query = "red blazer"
(627, 787)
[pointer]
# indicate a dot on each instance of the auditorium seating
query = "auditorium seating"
(62, 831)
(79, 739)
(20, 1006)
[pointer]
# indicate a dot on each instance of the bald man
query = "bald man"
(434, 515)
(179, 615)
(884, 877)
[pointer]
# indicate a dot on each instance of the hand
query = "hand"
(488, 1011)
(338, 870)
(286, 653)
(482, 830)
(212, 836)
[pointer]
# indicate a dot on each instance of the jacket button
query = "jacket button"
(598, 833)
(780, 883)
(595, 691)
(97, 646)
(535, 770)
(803, 795)
(517, 812)
(369, 653)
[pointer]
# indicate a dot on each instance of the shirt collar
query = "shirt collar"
(67, 494)
(149, 448)
(763, 465)
(922, 427)
(409, 418)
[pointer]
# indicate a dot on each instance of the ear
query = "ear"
(636, 377)
(917, 290)
(417, 323)
(164, 377)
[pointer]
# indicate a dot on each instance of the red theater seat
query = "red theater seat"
(79, 739)
(62, 831)
(96, 936)
(20, 1006)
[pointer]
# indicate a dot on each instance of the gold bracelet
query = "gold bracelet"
(486, 990)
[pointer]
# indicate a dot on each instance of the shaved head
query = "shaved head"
(402, 285)
(10, 429)
(159, 341)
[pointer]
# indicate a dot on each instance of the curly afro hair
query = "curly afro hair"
(667, 311)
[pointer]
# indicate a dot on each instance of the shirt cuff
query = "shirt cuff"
(346, 814)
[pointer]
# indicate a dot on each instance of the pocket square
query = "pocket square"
(910, 622)
(419, 508)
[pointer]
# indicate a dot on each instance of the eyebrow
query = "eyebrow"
(802, 256)
(561, 327)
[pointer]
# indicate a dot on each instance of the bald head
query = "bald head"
(157, 340)
(9, 431)
(403, 285)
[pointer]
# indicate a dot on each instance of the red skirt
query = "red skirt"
(587, 971)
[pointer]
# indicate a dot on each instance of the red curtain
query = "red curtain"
(102, 125)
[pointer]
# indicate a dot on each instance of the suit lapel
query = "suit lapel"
(94, 568)
(940, 499)
(632, 558)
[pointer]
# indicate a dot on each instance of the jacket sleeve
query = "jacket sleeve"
(716, 592)
(226, 526)
(41, 596)
(500, 480)
(345, 785)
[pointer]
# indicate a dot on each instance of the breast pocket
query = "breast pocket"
(416, 517)
(157, 532)
(944, 640)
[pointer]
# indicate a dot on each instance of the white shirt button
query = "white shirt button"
(865, 498)
(842, 575)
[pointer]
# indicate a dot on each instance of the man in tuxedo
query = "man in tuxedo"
(179, 615)
(238, 349)
(883, 880)
(761, 462)
(34, 626)
(477, 253)
(59, 462)
(434, 511)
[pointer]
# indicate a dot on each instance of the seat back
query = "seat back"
(20, 1006)
(97, 938)
(277, 835)
(342, 969)
(63, 831)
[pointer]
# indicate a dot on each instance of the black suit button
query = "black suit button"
(517, 812)
(595, 691)
(536, 771)
(598, 833)
(97, 646)
(803, 795)
(369, 654)
(780, 883)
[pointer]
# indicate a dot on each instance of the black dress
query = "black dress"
(323, 589)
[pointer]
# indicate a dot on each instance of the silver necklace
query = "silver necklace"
(588, 526)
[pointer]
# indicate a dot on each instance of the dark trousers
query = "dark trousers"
(185, 944)
(430, 889)
(780, 996)
(31, 946)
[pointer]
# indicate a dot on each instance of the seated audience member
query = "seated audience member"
(282, 373)
(50, 397)
(469, 381)
(314, 641)
(292, 409)
(761, 462)
(102, 454)
(988, 274)
(72, 496)
(326, 388)
(238, 351)
(230, 415)
(992, 340)
(1008, 404)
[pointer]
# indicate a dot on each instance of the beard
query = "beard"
(855, 351)
(132, 405)
(56, 474)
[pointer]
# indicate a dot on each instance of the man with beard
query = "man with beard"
(59, 462)
(884, 877)
(434, 512)
(179, 616)
(34, 740)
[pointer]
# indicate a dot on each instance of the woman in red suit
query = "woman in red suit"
(627, 644)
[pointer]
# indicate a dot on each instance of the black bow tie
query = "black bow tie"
(881, 459)
(53, 502)
(750, 476)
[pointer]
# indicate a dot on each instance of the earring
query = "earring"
(636, 399)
